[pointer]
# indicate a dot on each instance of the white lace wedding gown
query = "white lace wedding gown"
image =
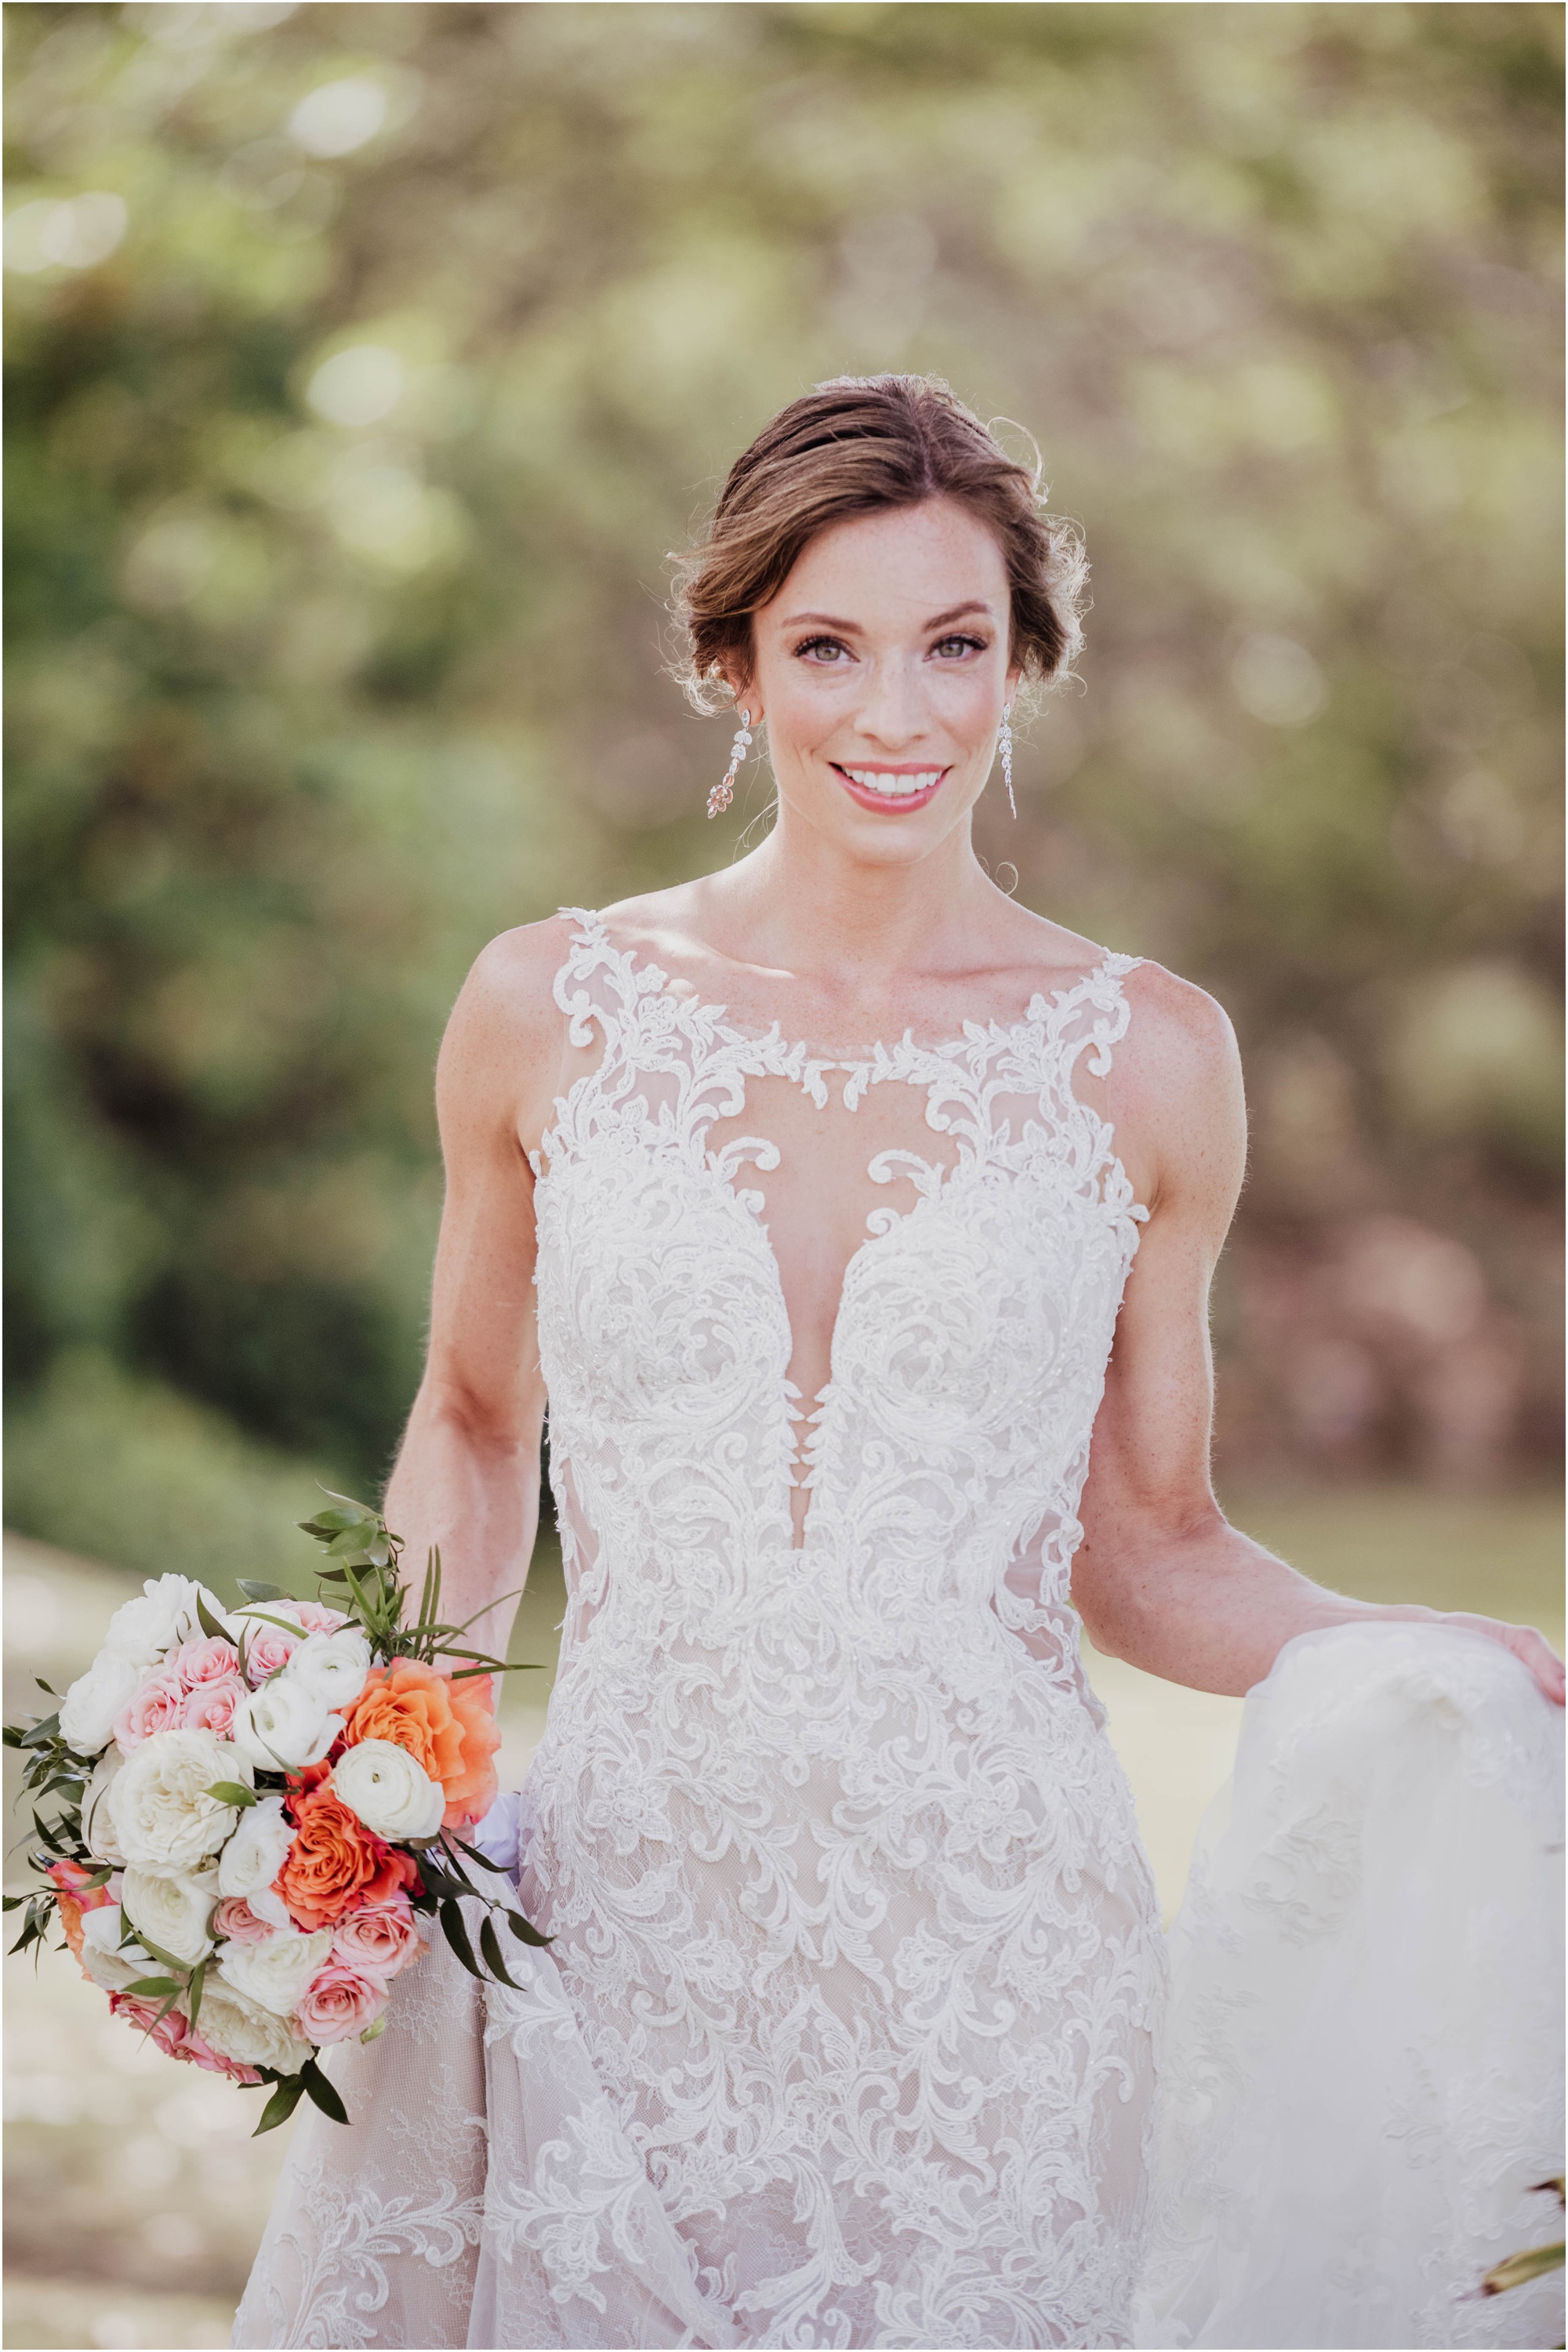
(846, 2034)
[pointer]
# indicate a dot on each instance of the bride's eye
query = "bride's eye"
(823, 649)
(954, 648)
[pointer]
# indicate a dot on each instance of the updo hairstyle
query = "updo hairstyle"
(861, 445)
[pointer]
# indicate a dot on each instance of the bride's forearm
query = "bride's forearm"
(473, 1491)
(1208, 1607)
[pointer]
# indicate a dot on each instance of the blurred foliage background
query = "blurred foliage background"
(366, 362)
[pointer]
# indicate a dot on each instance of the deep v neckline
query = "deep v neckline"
(959, 1064)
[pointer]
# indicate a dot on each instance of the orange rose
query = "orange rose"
(449, 1727)
(334, 1862)
(72, 1902)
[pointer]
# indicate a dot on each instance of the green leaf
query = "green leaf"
(1517, 2270)
(254, 1591)
(47, 1688)
(233, 1792)
(374, 2030)
(457, 1935)
(322, 2092)
(154, 1988)
(489, 1945)
(282, 2104)
(499, 1868)
(526, 1933)
(134, 1936)
(42, 1733)
(208, 1623)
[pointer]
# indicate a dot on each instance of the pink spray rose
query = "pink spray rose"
(316, 1617)
(267, 1647)
(237, 1923)
(338, 2002)
(157, 1704)
(202, 1660)
(210, 1705)
(378, 1940)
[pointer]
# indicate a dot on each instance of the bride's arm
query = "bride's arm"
(468, 1471)
(1161, 1577)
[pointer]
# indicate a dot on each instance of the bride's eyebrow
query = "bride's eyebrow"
(851, 628)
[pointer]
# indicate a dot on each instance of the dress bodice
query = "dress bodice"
(944, 1457)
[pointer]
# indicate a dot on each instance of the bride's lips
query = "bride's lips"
(897, 795)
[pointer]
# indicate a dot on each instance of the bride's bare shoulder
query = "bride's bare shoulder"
(502, 1049)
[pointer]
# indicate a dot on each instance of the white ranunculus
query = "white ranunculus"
(274, 1974)
(256, 1852)
(91, 1706)
(332, 1666)
(284, 1725)
(162, 1615)
(102, 1961)
(242, 2030)
(389, 1790)
(172, 1913)
(161, 1815)
(96, 1828)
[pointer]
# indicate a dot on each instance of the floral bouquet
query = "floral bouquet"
(250, 1809)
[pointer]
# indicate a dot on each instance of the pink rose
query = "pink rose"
(316, 1617)
(156, 1705)
(203, 1661)
(235, 1921)
(200, 2052)
(267, 1648)
(176, 2037)
(210, 1705)
(378, 1940)
(168, 2033)
(338, 2002)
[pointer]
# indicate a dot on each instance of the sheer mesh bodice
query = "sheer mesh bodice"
(843, 1875)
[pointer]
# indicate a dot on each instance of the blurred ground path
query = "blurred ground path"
(134, 2196)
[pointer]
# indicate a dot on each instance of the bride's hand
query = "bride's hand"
(1530, 1648)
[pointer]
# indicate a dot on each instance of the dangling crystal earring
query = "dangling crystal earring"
(1004, 745)
(721, 796)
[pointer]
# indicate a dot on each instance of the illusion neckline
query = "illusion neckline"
(591, 929)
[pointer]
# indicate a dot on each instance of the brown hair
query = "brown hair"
(852, 446)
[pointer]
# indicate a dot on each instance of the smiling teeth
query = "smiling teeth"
(894, 788)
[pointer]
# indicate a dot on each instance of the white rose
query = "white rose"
(102, 1960)
(89, 1708)
(256, 1851)
(331, 1666)
(162, 1615)
(96, 1829)
(241, 2029)
(283, 1725)
(172, 1913)
(389, 1790)
(161, 1814)
(274, 1974)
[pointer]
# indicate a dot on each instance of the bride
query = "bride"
(812, 1194)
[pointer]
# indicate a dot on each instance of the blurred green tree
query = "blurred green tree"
(365, 363)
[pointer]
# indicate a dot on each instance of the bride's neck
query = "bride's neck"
(797, 904)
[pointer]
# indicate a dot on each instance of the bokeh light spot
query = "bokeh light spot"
(357, 387)
(339, 116)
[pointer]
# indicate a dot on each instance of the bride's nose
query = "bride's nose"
(894, 710)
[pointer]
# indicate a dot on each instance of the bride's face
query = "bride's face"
(881, 668)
